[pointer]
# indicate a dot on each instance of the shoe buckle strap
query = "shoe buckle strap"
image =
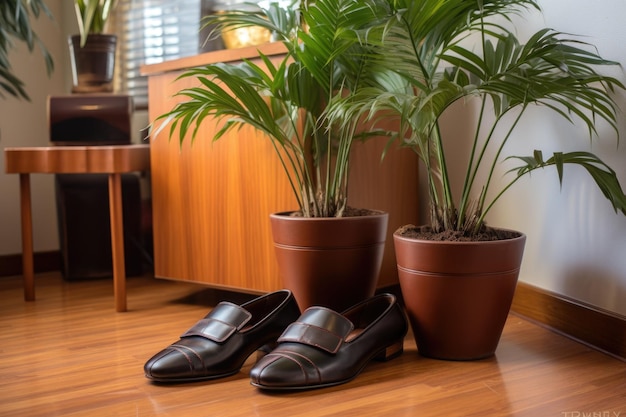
(221, 323)
(312, 335)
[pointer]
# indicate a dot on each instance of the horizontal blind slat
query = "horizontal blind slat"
(153, 31)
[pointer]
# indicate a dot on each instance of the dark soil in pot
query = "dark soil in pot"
(485, 234)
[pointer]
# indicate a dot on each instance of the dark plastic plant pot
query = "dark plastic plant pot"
(93, 65)
(331, 262)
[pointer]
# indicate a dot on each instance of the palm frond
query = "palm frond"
(16, 18)
(92, 16)
(603, 175)
(446, 51)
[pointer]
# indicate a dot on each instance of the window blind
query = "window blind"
(153, 31)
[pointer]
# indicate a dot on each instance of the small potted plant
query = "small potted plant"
(328, 253)
(458, 275)
(92, 51)
(15, 21)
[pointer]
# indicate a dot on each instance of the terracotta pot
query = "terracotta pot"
(93, 65)
(458, 294)
(331, 262)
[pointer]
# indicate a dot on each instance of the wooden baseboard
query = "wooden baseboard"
(43, 262)
(597, 328)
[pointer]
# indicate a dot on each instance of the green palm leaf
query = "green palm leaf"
(603, 175)
(16, 18)
(426, 43)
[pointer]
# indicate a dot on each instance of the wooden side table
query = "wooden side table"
(111, 160)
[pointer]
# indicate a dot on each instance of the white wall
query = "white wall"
(576, 244)
(23, 123)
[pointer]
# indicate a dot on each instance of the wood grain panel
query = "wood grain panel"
(211, 203)
(70, 355)
(76, 159)
(390, 185)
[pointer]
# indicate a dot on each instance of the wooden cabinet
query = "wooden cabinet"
(212, 200)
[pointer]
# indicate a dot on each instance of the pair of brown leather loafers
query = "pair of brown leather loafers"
(315, 349)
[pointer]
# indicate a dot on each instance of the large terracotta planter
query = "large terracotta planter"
(458, 294)
(331, 262)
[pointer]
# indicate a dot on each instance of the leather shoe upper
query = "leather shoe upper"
(324, 348)
(220, 343)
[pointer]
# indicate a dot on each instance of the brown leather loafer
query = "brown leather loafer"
(325, 348)
(218, 345)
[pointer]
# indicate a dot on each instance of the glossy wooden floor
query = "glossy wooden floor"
(70, 354)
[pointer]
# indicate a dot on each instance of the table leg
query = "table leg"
(28, 269)
(117, 241)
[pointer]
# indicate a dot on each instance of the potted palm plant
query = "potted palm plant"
(15, 25)
(92, 51)
(328, 253)
(457, 288)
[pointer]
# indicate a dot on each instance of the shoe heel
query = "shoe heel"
(392, 351)
(265, 349)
